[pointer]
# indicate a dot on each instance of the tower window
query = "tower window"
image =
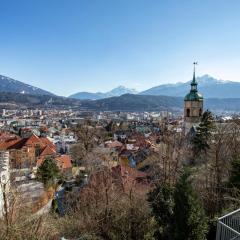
(188, 112)
(200, 112)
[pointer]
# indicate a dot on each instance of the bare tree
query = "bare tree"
(19, 222)
(168, 157)
(87, 138)
(212, 177)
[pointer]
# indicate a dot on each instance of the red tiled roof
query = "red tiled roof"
(4, 145)
(46, 146)
(46, 141)
(124, 179)
(18, 144)
(48, 151)
(40, 160)
(64, 161)
(33, 140)
(130, 178)
(6, 136)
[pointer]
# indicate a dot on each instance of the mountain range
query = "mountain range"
(210, 88)
(8, 84)
(130, 102)
(11, 100)
(126, 102)
(219, 95)
(118, 91)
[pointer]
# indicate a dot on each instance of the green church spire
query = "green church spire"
(194, 95)
(194, 82)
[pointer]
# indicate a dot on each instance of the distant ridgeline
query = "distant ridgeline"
(210, 88)
(219, 96)
(130, 102)
(11, 85)
(127, 102)
(14, 100)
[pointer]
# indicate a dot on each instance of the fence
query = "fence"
(228, 226)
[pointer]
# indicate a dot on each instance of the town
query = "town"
(52, 159)
(119, 120)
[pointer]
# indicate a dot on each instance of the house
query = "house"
(64, 163)
(121, 179)
(24, 152)
(129, 179)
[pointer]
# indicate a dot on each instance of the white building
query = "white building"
(4, 178)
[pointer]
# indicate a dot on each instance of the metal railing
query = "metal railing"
(228, 226)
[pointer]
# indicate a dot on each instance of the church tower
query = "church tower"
(193, 105)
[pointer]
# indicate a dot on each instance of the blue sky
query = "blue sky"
(66, 46)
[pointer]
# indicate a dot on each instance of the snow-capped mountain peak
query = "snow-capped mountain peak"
(118, 91)
(8, 84)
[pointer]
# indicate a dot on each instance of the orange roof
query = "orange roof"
(128, 178)
(48, 151)
(64, 161)
(40, 160)
(46, 146)
(4, 145)
(33, 140)
(18, 143)
(46, 141)
(5, 136)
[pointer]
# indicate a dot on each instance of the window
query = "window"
(37, 150)
(200, 112)
(188, 112)
(3, 178)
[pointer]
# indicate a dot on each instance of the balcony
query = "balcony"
(228, 226)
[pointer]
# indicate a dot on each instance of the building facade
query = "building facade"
(4, 180)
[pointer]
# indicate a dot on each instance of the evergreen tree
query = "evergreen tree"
(161, 201)
(48, 172)
(110, 127)
(234, 178)
(204, 131)
(189, 221)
